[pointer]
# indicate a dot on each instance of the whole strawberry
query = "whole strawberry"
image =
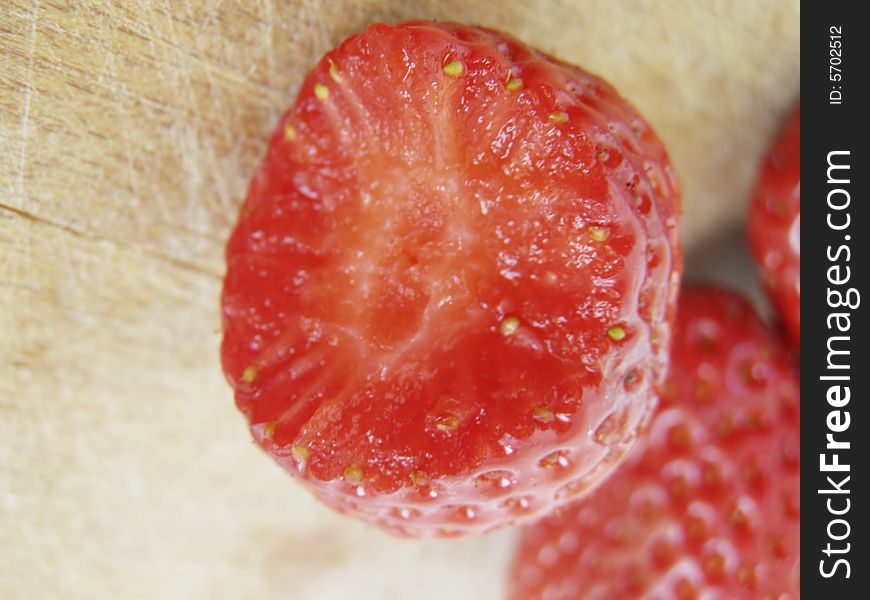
(775, 224)
(449, 292)
(708, 503)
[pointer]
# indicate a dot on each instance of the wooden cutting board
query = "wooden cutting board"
(129, 132)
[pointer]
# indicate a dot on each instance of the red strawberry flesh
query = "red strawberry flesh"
(458, 257)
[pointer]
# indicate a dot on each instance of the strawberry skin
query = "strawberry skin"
(450, 290)
(707, 505)
(774, 224)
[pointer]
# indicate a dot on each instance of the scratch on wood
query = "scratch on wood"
(25, 113)
(270, 35)
(215, 98)
(183, 264)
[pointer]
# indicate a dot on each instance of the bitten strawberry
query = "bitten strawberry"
(449, 291)
(775, 224)
(708, 503)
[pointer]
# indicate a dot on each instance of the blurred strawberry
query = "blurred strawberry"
(708, 503)
(775, 224)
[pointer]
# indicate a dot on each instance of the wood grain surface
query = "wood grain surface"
(128, 133)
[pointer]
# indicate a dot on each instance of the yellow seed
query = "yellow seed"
(250, 374)
(269, 429)
(631, 379)
(703, 391)
(685, 589)
(712, 476)
(744, 575)
(290, 132)
(753, 421)
(453, 68)
(321, 92)
(558, 117)
(680, 437)
(616, 333)
(509, 326)
(334, 72)
(494, 479)
(738, 520)
(559, 458)
(572, 489)
(300, 453)
(611, 429)
(517, 504)
(679, 487)
(751, 473)
(696, 528)
(353, 474)
(418, 478)
(543, 414)
(599, 234)
(514, 84)
(447, 423)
